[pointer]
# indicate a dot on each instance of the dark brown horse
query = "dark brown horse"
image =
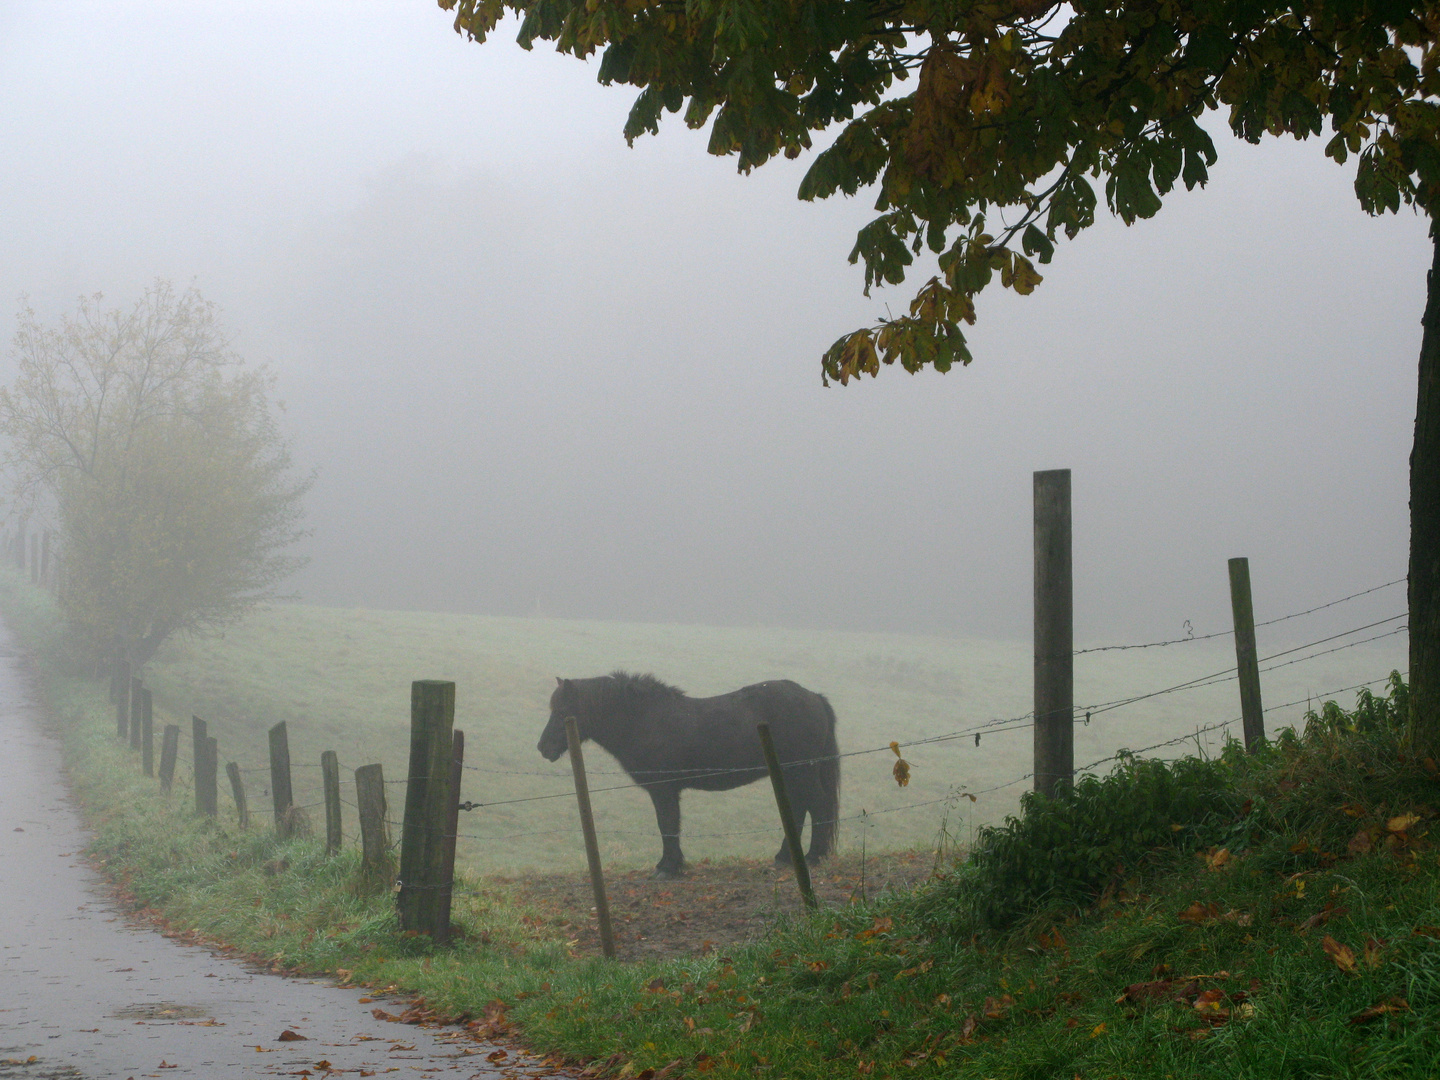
(667, 742)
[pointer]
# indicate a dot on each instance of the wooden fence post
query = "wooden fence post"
(212, 778)
(137, 708)
(237, 789)
(280, 791)
(197, 759)
(122, 700)
(169, 751)
(374, 842)
(592, 845)
(147, 733)
(787, 816)
(1247, 664)
(330, 774)
(1054, 634)
(452, 830)
(427, 805)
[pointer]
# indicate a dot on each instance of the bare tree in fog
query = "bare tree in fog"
(160, 455)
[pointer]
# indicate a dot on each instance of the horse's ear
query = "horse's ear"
(559, 681)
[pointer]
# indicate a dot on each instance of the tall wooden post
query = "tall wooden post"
(147, 733)
(427, 805)
(209, 790)
(370, 800)
(137, 709)
(452, 830)
(237, 789)
(592, 844)
(169, 751)
(1054, 634)
(1247, 663)
(197, 760)
(787, 816)
(281, 793)
(122, 700)
(330, 774)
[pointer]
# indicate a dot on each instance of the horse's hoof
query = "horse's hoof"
(665, 873)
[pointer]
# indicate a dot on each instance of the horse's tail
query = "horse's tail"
(824, 819)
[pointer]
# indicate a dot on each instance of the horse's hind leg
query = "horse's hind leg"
(667, 816)
(799, 805)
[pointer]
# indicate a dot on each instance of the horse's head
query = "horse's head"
(553, 741)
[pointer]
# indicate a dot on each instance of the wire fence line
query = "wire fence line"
(1230, 633)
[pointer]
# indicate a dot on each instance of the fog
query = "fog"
(538, 372)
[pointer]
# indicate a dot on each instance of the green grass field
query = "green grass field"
(341, 678)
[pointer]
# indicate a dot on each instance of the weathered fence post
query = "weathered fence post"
(1247, 664)
(1054, 634)
(330, 774)
(169, 751)
(452, 831)
(427, 804)
(787, 816)
(197, 759)
(211, 785)
(137, 708)
(370, 801)
(592, 845)
(280, 791)
(122, 700)
(147, 733)
(237, 789)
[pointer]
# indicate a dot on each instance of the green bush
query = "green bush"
(1065, 850)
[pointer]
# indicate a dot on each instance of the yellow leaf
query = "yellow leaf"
(1343, 955)
(1402, 822)
(901, 772)
(1098, 1030)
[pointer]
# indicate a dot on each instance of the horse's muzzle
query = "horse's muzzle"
(550, 751)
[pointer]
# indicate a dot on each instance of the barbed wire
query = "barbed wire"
(1229, 633)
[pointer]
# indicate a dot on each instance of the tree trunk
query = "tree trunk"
(1425, 527)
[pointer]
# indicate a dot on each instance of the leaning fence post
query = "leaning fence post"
(787, 816)
(330, 774)
(427, 805)
(197, 760)
(280, 791)
(237, 789)
(212, 778)
(1054, 634)
(592, 845)
(122, 700)
(370, 802)
(137, 693)
(1247, 664)
(147, 733)
(169, 750)
(446, 892)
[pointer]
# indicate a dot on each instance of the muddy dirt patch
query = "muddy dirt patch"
(715, 906)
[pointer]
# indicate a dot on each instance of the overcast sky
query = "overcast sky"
(538, 371)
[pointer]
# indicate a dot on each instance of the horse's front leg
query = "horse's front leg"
(667, 816)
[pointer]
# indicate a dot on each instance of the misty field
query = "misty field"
(341, 680)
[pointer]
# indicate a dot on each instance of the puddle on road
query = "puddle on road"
(161, 1010)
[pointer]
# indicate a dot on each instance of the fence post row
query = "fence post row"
(592, 845)
(330, 774)
(427, 791)
(280, 790)
(137, 691)
(370, 799)
(787, 816)
(237, 789)
(147, 732)
(446, 892)
(1054, 634)
(1247, 664)
(169, 750)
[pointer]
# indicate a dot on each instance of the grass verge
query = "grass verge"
(1293, 929)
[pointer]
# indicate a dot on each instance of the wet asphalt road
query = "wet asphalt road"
(87, 994)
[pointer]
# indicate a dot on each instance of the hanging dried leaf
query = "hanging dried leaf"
(901, 772)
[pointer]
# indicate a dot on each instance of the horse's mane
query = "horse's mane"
(645, 685)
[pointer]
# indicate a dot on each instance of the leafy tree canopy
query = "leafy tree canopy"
(158, 452)
(1022, 112)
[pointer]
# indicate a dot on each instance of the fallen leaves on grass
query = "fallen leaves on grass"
(1343, 955)
(1199, 914)
(1374, 1012)
(1321, 917)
